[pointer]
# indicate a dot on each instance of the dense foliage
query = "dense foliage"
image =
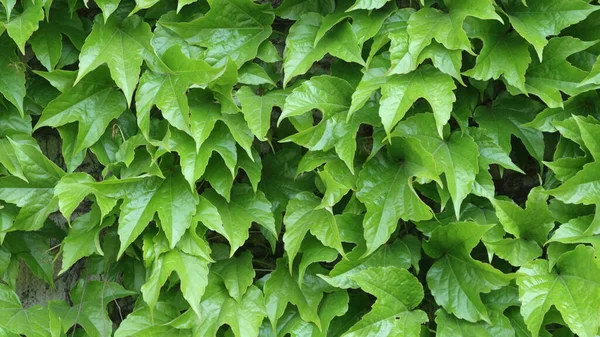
(303, 168)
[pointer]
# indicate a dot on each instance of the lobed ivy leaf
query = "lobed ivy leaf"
(238, 214)
(167, 90)
(22, 26)
(35, 195)
(257, 109)
(93, 103)
(571, 287)
(503, 53)
(386, 190)
(330, 95)
(509, 116)
(193, 276)
(281, 288)
(301, 51)
(555, 74)
(401, 91)
(230, 29)
(237, 274)
(12, 77)
(537, 19)
(392, 313)
(301, 216)
(457, 280)
(143, 321)
(121, 45)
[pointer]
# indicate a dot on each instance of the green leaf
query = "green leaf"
(457, 280)
(578, 105)
(90, 300)
(509, 116)
(193, 276)
(12, 77)
(31, 321)
(218, 308)
(589, 131)
(373, 78)
(338, 180)
(301, 51)
(108, 7)
(253, 74)
(428, 23)
(328, 94)
(456, 157)
(391, 314)
(244, 208)
(93, 104)
(396, 254)
(503, 53)
(21, 27)
(167, 90)
(121, 45)
(572, 287)
(301, 216)
(281, 288)
(335, 133)
(400, 92)
(576, 190)
(83, 239)
(532, 223)
(313, 251)
(450, 326)
(368, 4)
(237, 274)
(142, 197)
(537, 19)
(47, 45)
(334, 305)
(231, 29)
(574, 231)
(556, 74)
(73, 188)
(144, 322)
(294, 9)
(279, 181)
(35, 196)
(490, 151)
(386, 190)
(257, 109)
(194, 163)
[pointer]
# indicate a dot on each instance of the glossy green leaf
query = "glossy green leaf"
(555, 74)
(47, 45)
(396, 298)
(121, 45)
(21, 27)
(301, 52)
(571, 287)
(193, 276)
(93, 104)
(386, 190)
(456, 279)
(237, 274)
(168, 90)
(244, 208)
(503, 53)
(231, 29)
(302, 216)
(12, 77)
(401, 91)
(537, 20)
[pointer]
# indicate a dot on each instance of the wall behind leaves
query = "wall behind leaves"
(301, 168)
